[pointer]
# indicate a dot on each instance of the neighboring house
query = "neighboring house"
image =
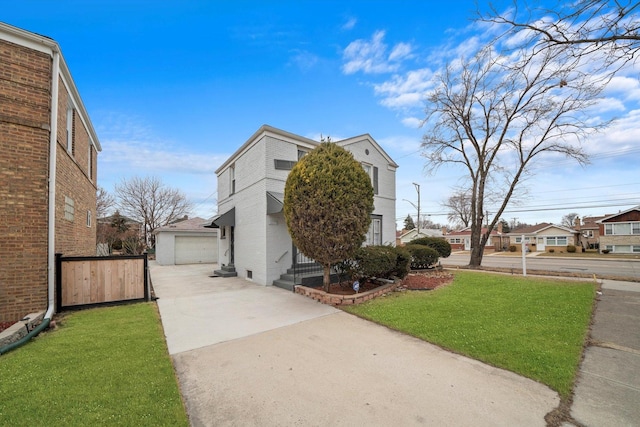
(620, 233)
(48, 170)
(186, 242)
(589, 231)
(544, 236)
(253, 236)
(412, 234)
(460, 240)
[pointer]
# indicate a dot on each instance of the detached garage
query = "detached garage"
(186, 242)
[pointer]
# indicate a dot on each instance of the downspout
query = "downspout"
(51, 277)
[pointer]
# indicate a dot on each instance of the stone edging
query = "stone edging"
(20, 329)
(337, 300)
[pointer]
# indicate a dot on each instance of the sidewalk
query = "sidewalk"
(608, 388)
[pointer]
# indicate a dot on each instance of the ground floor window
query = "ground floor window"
(557, 240)
(623, 249)
(374, 235)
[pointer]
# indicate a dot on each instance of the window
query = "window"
(90, 162)
(89, 219)
(372, 171)
(69, 208)
(301, 153)
(622, 228)
(374, 235)
(232, 177)
(70, 119)
(519, 239)
(455, 240)
(286, 165)
(589, 233)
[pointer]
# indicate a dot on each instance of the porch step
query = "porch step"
(226, 271)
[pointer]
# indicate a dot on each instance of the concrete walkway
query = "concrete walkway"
(247, 355)
(608, 388)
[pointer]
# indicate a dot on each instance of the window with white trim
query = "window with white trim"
(372, 171)
(374, 235)
(622, 228)
(232, 179)
(89, 219)
(519, 239)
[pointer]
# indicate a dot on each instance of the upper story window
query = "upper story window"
(372, 171)
(301, 153)
(232, 179)
(90, 162)
(285, 165)
(622, 228)
(70, 120)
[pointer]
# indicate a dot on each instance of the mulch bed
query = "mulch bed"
(416, 280)
(425, 280)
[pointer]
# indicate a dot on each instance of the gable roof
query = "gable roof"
(607, 218)
(425, 232)
(49, 46)
(266, 130)
(534, 229)
(467, 231)
(192, 224)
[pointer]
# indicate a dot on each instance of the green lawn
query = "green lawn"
(531, 326)
(104, 366)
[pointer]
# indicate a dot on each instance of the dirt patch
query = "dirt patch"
(426, 280)
(346, 288)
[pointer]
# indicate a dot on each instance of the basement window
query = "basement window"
(249, 274)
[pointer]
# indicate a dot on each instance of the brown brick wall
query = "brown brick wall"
(73, 181)
(25, 91)
(24, 158)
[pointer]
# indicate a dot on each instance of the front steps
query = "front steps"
(226, 271)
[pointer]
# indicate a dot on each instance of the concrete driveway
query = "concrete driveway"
(248, 355)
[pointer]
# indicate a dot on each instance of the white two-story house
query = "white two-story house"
(254, 241)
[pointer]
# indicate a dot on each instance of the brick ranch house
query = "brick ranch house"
(48, 170)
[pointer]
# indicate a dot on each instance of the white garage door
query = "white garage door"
(196, 249)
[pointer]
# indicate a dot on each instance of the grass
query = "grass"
(534, 327)
(100, 366)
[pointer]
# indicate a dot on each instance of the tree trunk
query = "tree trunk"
(326, 277)
(477, 248)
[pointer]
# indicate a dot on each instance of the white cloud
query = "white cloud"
(406, 91)
(370, 56)
(412, 122)
(304, 60)
(350, 24)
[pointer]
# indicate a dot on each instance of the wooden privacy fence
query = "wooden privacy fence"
(86, 281)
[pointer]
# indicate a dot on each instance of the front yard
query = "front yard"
(104, 366)
(534, 327)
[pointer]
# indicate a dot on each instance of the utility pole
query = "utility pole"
(418, 190)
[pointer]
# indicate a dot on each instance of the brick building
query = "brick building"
(48, 171)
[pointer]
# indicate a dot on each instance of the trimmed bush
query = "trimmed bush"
(375, 261)
(571, 249)
(512, 248)
(605, 251)
(403, 262)
(439, 244)
(551, 250)
(422, 256)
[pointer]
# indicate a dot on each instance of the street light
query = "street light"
(418, 190)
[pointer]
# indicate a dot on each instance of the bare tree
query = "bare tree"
(569, 220)
(494, 114)
(151, 202)
(604, 27)
(459, 206)
(104, 202)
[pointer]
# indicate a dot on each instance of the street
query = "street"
(618, 268)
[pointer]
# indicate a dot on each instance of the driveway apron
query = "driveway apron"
(248, 355)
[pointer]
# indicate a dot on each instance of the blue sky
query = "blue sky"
(174, 87)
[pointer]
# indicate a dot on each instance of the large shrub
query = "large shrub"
(383, 262)
(328, 200)
(439, 244)
(422, 256)
(571, 249)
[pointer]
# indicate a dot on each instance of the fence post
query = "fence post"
(58, 273)
(146, 278)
